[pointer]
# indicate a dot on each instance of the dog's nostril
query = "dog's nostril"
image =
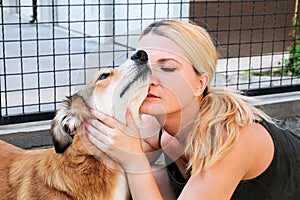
(140, 56)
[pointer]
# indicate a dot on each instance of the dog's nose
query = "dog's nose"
(140, 56)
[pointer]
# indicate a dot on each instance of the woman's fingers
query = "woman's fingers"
(108, 124)
(120, 141)
(99, 142)
(95, 133)
(94, 126)
(129, 119)
(106, 119)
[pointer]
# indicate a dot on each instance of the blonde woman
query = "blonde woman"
(215, 145)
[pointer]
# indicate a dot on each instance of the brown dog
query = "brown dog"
(75, 169)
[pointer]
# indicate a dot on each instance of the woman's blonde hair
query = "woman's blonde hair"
(222, 112)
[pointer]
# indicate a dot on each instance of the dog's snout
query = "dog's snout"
(140, 56)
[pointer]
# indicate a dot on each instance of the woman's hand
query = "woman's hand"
(122, 142)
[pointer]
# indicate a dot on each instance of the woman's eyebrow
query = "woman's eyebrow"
(161, 60)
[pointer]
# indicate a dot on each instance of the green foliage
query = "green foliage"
(247, 73)
(292, 64)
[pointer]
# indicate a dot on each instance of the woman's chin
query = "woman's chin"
(151, 108)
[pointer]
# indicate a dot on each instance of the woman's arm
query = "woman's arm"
(149, 131)
(141, 181)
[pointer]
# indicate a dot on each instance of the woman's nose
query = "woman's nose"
(154, 78)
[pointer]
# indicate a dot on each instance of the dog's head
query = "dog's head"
(111, 91)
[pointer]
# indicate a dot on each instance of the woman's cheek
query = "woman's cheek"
(175, 94)
(179, 89)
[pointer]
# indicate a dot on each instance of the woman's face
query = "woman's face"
(174, 84)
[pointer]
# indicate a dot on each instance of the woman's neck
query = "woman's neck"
(181, 121)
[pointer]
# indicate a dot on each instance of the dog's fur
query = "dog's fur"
(76, 169)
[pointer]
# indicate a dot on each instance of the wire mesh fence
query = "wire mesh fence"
(50, 48)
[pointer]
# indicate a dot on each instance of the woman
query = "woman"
(215, 145)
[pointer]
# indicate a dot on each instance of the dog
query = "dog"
(74, 168)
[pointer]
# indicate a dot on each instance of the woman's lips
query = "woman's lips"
(151, 96)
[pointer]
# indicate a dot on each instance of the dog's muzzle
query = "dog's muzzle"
(140, 57)
(139, 71)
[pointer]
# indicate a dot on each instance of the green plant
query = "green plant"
(247, 73)
(292, 64)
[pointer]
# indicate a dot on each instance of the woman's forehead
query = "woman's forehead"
(162, 54)
(161, 46)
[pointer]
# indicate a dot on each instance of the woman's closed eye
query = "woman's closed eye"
(168, 69)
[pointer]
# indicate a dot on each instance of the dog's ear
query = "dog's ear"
(69, 120)
(61, 131)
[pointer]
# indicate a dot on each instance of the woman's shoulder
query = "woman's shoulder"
(243, 161)
(259, 148)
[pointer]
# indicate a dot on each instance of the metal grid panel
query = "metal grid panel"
(252, 39)
(52, 54)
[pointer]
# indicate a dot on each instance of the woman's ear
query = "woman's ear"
(202, 84)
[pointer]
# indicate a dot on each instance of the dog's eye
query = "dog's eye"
(103, 76)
